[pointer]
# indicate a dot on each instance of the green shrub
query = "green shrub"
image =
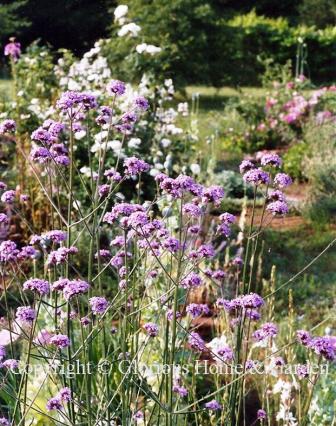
(293, 160)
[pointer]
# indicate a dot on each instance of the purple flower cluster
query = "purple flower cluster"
(247, 301)
(192, 280)
(257, 177)
(226, 220)
(60, 340)
(196, 342)
(98, 305)
(278, 208)
(13, 49)
(122, 209)
(8, 197)
(196, 309)
(134, 166)
(141, 103)
(47, 136)
(271, 160)
(72, 102)
(116, 88)
(25, 314)
(151, 329)
(75, 288)
(282, 180)
(36, 285)
(56, 403)
(8, 251)
(213, 405)
(60, 255)
(7, 126)
(267, 330)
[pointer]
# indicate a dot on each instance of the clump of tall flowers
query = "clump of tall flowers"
(101, 323)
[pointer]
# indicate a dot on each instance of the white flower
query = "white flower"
(73, 85)
(120, 11)
(165, 142)
(86, 171)
(131, 29)
(80, 135)
(115, 145)
(153, 172)
(134, 142)
(147, 48)
(182, 108)
(195, 168)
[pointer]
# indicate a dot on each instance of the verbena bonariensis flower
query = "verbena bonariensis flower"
(324, 346)
(302, 371)
(206, 251)
(192, 209)
(60, 340)
(60, 255)
(8, 251)
(2, 352)
(213, 194)
(282, 180)
(303, 337)
(56, 236)
(4, 421)
(257, 177)
(171, 244)
(54, 403)
(134, 166)
(65, 394)
(103, 190)
(42, 135)
(40, 154)
(13, 49)
(60, 284)
(225, 353)
(278, 208)
(73, 103)
(196, 309)
(245, 166)
(7, 126)
(37, 285)
(196, 342)
(113, 175)
(25, 314)
(268, 329)
(271, 160)
(8, 197)
(192, 280)
(98, 304)
(227, 218)
(181, 390)
(170, 315)
(151, 329)
(75, 287)
(141, 103)
(116, 87)
(261, 414)
(213, 405)
(11, 364)
(277, 195)
(27, 252)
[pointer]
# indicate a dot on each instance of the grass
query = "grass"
(6, 88)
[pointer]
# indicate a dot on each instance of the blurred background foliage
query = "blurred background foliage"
(216, 42)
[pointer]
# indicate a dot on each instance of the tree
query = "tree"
(186, 32)
(10, 22)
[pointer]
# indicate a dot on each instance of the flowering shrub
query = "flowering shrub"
(103, 298)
